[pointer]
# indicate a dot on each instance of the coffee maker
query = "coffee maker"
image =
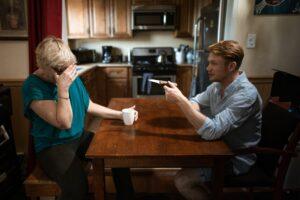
(106, 54)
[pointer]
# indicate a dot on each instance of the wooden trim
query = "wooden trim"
(261, 79)
(20, 125)
(12, 82)
(263, 86)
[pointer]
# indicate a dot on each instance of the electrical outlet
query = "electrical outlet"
(251, 40)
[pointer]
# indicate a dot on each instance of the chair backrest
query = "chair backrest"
(279, 131)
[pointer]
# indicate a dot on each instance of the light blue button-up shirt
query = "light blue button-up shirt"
(235, 118)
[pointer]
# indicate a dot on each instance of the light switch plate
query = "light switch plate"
(251, 41)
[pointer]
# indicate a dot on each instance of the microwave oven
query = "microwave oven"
(85, 55)
(156, 17)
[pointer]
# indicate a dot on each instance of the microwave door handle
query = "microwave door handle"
(165, 19)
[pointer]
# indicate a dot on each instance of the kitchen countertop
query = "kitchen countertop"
(184, 65)
(85, 67)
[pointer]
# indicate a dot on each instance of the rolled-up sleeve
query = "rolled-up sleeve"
(232, 117)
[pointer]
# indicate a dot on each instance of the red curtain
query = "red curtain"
(44, 18)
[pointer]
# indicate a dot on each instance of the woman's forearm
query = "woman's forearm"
(64, 114)
(104, 112)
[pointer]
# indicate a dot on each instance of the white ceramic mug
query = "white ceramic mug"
(128, 116)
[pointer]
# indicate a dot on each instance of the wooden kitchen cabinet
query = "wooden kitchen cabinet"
(184, 78)
(185, 18)
(121, 24)
(143, 2)
(99, 19)
(117, 82)
(113, 82)
(89, 80)
(116, 88)
(78, 18)
(153, 2)
(104, 83)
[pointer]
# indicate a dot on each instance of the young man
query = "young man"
(234, 116)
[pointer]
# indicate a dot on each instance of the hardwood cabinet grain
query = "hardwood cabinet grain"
(104, 83)
(153, 2)
(121, 24)
(184, 79)
(185, 18)
(89, 80)
(78, 18)
(117, 82)
(99, 19)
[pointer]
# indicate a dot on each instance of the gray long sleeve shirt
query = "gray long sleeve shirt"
(235, 118)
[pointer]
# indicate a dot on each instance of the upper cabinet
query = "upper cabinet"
(153, 2)
(185, 13)
(112, 18)
(99, 18)
(121, 26)
(78, 18)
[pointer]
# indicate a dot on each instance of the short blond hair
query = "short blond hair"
(52, 52)
(230, 50)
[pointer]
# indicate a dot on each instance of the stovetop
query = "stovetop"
(145, 60)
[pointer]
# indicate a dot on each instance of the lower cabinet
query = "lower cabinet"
(184, 78)
(116, 87)
(104, 83)
(88, 79)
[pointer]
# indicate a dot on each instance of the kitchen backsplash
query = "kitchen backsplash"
(140, 39)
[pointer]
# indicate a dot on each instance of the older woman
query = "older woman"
(56, 102)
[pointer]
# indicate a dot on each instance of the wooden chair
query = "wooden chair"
(280, 135)
(39, 185)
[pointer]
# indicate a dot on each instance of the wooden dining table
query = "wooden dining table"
(161, 137)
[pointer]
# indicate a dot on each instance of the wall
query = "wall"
(140, 39)
(14, 59)
(277, 43)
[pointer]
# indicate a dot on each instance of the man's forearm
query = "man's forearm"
(193, 115)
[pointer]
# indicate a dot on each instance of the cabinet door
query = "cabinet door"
(165, 2)
(143, 2)
(116, 87)
(89, 80)
(184, 79)
(78, 18)
(100, 19)
(153, 2)
(121, 26)
(185, 18)
(100, 86)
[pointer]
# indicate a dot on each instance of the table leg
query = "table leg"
(99, 179)
(218, 178)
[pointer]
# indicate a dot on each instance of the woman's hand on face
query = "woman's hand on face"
(64, 80)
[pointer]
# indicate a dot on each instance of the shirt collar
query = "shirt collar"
(233, 85)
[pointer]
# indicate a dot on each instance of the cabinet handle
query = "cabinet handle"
(4, 135)
(3, 176)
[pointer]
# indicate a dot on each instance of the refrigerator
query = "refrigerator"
(208, 29)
